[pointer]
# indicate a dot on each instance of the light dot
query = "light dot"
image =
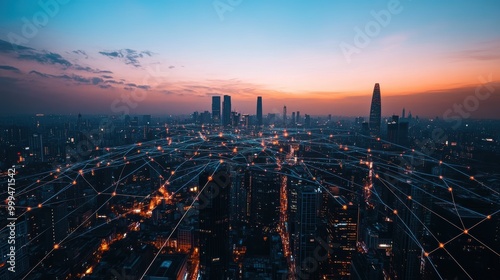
(441, 245)
(466, 231)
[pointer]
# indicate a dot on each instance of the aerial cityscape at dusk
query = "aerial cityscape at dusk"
(235, 139)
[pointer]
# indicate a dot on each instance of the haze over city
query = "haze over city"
(323, 57)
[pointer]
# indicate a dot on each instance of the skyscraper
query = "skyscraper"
(397, 131)
(375, 111)
(284, 116)
(306, 230)
(226, 110)
(216, 109)
(214, 224)
(259, 110)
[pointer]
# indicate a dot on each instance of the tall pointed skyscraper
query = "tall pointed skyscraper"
(375, 111)
(216, 109)
(259, 110)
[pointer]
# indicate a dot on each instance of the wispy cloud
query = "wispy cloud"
(81, 53)
(128, 56)
(91, 70)
(8, 47)
(9, 68)
(45, 58)
(76, 78)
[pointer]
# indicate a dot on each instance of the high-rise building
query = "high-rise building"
(284, 116)
(298, 116)
(406, 252)
(259, 110)
(397, 131)
(265, 199)
(306, 230)
(226, 111)
(216, 109)
(307, 121)
(214, 224)
(342, 235)
(375, 111)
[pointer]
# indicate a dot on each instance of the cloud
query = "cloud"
(45, 58)
(128, 56)
(144, 87)
(8, 47)
(73, 77)
(80, 52)
(114, 82)
(90, 69)
(9, 68)
(107, 77)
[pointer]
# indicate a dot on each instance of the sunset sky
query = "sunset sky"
(169, 57)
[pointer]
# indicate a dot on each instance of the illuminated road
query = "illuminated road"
(283, 229)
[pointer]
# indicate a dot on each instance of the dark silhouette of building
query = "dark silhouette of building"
(375, 111)
(265, 203)
(397, 131)
(342, 235)
(259, 110)
(405, 250)
(306, 230)
(226, 110)
(307, 121)
(284, 116)
(214, 224)
(216, 109)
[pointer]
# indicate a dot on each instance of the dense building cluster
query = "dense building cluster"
(221, 195)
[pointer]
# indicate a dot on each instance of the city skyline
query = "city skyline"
(249, 139)
(176, 55)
